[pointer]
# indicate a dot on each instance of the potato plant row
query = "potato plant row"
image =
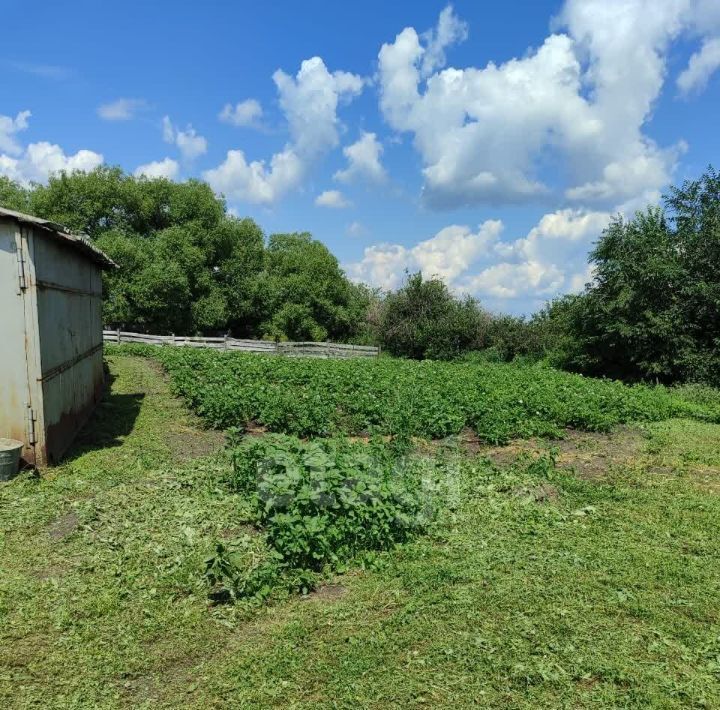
(310, 397)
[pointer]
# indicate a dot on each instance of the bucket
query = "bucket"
(9, 458)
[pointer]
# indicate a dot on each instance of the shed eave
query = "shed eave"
(79, 242)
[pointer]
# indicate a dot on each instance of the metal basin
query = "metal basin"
(9, 458)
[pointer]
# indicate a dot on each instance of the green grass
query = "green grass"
(602, 593)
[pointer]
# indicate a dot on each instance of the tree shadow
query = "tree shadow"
(112, 420)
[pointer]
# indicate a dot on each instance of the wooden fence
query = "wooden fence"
(327, 350)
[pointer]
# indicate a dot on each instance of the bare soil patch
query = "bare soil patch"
(63, 526)
(255, 429)
(187, 438)
(231, 533)
(187, 442)
(592, 455)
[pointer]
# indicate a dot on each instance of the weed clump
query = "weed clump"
(319, 505)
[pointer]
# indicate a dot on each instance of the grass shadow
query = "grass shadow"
(113, 419)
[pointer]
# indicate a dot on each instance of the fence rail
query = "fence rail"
(326, 350)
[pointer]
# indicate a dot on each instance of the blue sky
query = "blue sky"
(486, 143)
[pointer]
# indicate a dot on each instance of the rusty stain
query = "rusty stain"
(60, 435)
(27, 454)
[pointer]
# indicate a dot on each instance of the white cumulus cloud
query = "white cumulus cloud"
(37, 161)
(332, 198)
(40, 160)
(582, 97)
(450, 30)
(121, 109)
(701, 67)
(9, 127)
(363, 159)
(447, 255)
(310, 102)
(244, 113)
(189, 143)
(166, 168)
(255, 181)
(550, 259)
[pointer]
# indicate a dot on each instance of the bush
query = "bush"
(322, 503)
(423, 320)
(244, 567)
(510, 337)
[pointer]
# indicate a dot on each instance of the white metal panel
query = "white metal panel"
(69, 307)
(18, 395)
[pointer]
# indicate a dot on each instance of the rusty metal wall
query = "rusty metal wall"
(69, 311)
(14, 391)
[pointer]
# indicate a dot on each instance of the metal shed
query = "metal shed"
(51, 334)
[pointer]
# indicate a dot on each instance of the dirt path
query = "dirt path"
(139, 418)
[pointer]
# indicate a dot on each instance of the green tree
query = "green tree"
(424, 320)
(186, 266)
(185, 278)
(694, 213)
(653, 311)
(305, 292)
(89, 203)
(107, 199)
(13, 195)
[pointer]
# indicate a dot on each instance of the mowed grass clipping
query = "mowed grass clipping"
(534, 589)
(312, 397)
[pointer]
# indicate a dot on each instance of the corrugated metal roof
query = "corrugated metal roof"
(76, 241)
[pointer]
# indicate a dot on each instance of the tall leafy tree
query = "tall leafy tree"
(307, 296)
(653, 311)
(13, 195)
(187, 266)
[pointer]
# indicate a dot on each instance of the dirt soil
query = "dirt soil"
(63, 526)
(187, 438)
(189, 442)
(327, 592)
(590, 454)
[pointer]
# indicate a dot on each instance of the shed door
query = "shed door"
(16, 343)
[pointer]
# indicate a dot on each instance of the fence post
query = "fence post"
(172, 335)
(225, 341)
(118, 334)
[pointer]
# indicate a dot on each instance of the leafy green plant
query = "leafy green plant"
(323, 503)
(244, 567)
(402, 398)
